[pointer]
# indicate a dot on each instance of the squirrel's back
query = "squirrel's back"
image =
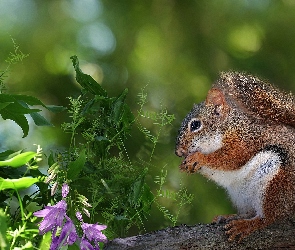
(257, 98)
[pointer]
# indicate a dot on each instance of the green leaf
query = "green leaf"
(76, 166)
(51, 160)
(7, 98)
(17, 184)
(46, 241)
(147, 198)
(14, 107)
(28, 245)
(31, 100)
(136, 191)
(3, 228)
(39, 120)
(18, 108)
(15, 111)
(5, 154)
(118, 107)
(86, 81)
(55, 109)
(73, 247)
(18, 160)
(4, 104)
(20, 120)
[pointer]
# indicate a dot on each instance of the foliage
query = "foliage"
(176, 47)
(107, 184)
(14, 107)
(161, 120)
(181, 198)
(97, 163)
(19, 170)
(14, 57)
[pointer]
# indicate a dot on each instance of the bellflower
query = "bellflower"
(65, 190)
(68, 235)
(85, 245)
(53, 216)
(92, 232)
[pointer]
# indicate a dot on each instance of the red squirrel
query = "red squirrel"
(243, 138)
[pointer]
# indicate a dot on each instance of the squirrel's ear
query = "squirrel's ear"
(216, 98)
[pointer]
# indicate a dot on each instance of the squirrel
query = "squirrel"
(243, 138)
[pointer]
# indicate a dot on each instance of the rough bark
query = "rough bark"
(208, 236)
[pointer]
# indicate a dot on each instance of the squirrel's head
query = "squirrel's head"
(201, 129)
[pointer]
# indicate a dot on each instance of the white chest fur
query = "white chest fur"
(246, 185)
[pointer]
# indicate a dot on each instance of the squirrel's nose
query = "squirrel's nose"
(180, 151)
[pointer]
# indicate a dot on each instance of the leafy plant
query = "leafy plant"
(180, 198)
(106, 183)
(160, 119)
(15, 107)
(18, 169)
(97, 164)
(99, 126)
(14, 57)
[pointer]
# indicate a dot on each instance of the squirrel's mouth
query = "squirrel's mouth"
(189, 164)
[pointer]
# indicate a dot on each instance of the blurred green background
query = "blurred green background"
(174, 48)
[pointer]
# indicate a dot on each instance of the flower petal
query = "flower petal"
(99, 227)
(53, 216)
(71, 233)
(54, 243)
(93, 232)
(61, 204)
(85, 245)
(65, 190)
(46, 225)
(43, 212)
(79, 216)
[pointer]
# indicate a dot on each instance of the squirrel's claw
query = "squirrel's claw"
(190, 164)
(242, 228)
(234, 230)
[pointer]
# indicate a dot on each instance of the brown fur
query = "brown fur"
(251, 116)
(234, 154)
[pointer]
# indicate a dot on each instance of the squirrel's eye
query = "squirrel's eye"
(195, 125)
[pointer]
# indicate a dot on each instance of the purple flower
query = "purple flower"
(68, 235)
(72, 235)
(54, 243)
(65, 190)
(85, 245)
(79, 216)
(93, 232)
(53, 216)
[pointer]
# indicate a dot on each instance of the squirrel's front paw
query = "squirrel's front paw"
(189, 168)
(190, 164)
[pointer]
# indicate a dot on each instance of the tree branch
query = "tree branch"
(208, 236)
